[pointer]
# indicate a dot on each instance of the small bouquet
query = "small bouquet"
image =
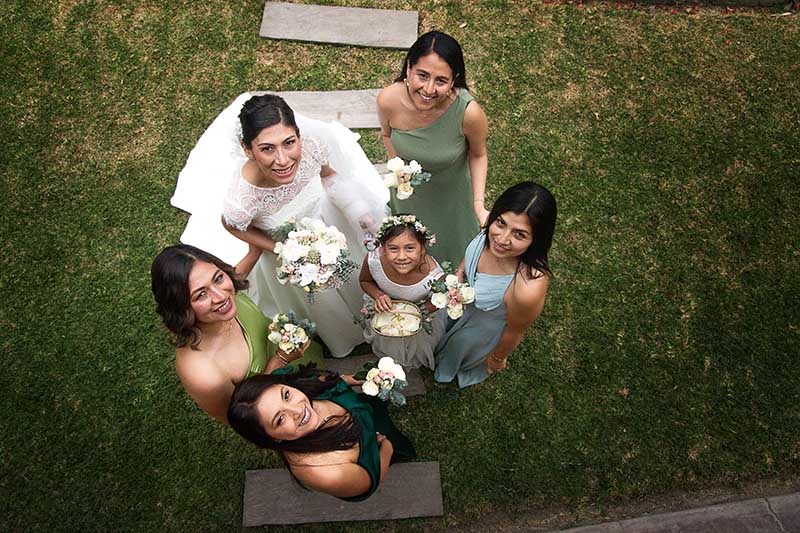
(452, 294)
(384, 380)
(313, 256)
(404, 176)
(289, 333)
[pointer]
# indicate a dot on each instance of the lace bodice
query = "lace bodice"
(412, 293)
(269, 207)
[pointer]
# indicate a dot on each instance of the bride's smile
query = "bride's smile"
(276, 153)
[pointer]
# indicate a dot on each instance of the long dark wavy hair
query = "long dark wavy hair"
(540, 205)
(445, 47)
(263, 111)
(169, 278)
(244, 419)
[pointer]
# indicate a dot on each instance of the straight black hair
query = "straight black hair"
(263, 111)
(442, 45)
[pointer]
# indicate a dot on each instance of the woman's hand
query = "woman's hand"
(495, 363)
(350, 380)
(288, 357)
(383, 304)
(481, 213)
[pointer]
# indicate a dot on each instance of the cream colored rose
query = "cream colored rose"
(387, 364)
(300, 335)
(286, 346)
(395, 164)
(455, 311)
(274, 337)
(278, 248)
(390, 179)
(439, 300)
(451, 281)
(468, 294)
(404, 190)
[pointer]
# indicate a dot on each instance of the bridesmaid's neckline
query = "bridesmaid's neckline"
(446, 111)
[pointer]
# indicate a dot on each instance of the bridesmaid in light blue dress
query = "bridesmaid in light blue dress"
(506, 264)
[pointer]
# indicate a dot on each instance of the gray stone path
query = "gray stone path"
(354, 109)
(762, 515)
(272, 497)
(384, 28)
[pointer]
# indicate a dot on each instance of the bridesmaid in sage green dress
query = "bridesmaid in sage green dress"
(428, 115)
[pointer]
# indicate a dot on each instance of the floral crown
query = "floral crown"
(408, 221)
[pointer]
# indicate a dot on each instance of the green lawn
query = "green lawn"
(667, 357)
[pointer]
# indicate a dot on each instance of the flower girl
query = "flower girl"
(401, 268)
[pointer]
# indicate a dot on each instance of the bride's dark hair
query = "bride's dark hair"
(244, 418)
(263, 111)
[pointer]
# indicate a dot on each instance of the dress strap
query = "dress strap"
(472, 256)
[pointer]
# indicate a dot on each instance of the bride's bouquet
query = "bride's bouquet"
(289, 333)
(384, 380)
(452, 294)
(312, 255)
(405, 176)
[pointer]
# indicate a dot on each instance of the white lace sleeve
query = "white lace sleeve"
(318, 149)
(238, 208)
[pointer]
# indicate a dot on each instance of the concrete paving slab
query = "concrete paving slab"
(354, 363)
(786, 509)
(750, 516)
(273, 497)
(384, 28)
(354, 109)
(608, 527)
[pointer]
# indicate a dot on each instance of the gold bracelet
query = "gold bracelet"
(282, 358)
(497, 359)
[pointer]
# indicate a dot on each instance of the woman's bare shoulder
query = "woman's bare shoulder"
(389, 97)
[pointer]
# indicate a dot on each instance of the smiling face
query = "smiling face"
(276, 152)
(403, 252)
(286, 413)
(509, 235)
(429, 80)
(211, 293)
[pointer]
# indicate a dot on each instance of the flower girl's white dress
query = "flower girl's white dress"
(211, 185)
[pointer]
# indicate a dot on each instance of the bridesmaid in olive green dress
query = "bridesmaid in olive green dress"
(428, 115)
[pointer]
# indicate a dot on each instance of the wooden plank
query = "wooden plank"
(273, 497)
(353, 363)
(354, 109)
(384, 28)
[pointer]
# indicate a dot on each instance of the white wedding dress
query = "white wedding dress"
(211, 184)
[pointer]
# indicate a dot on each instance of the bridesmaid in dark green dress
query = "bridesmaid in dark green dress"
(332, 439)
(428, 115)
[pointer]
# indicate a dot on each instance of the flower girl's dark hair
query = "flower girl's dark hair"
(169, 278)
(244, 417)
(445, 47)
(540, 205)
(263, 111)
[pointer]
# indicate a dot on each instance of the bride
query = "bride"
(277, 174)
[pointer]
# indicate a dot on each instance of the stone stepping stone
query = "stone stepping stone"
(384, 28)
(354, 109)
(273, 497)
(353, 363)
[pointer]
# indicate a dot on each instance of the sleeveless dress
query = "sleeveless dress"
(254, 325)
(445, 202)
(211, 185)
(372, 416)
(413, 351)
(467, 342)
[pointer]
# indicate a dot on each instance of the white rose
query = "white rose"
(293, 250)
(274, 337)
(328, 253)
(407, 170)
(468, 294)
(455, 311)
(387, 364)
(300, 335)
(439, 300)
(286, 346)
(390, 179)
(289, 328)
(308, 273)
(404, 190)
(370, 388)
(415, 167)
(395, 164)
(278, 248)
(451, 281)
